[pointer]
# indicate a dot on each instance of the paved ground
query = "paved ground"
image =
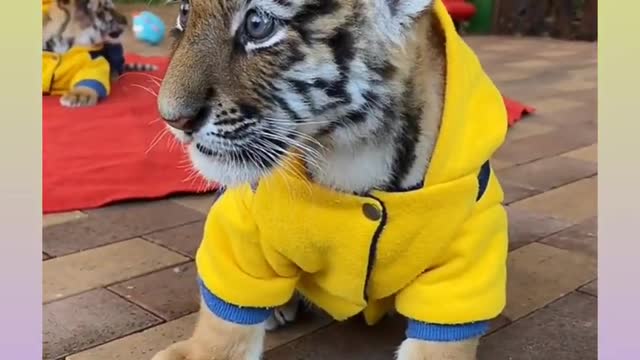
(119, 281)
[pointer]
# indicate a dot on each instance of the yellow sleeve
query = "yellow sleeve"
(468, 284)
(46, 4)
(49, 62)
(95, 75)
(237, 270)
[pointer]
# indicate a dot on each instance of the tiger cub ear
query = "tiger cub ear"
(393, 17)
(87, 6)
(407, 8)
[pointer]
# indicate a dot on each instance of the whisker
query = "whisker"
(285, 170)
(193, 173)
(156, 140)
(154, 120)
(306, 137)
(301, 145)
(313, 157)
(254, 161)
(301, 121)
(288, 167)
(173, 144)
(146, 89)
(156, 81)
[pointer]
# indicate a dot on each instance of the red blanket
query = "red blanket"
(119, 150)
(516, 110)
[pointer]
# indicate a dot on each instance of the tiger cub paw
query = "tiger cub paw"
(80, 97)
(283, 315)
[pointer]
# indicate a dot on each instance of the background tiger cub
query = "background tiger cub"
(82, 50)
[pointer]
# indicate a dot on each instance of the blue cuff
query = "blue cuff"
(95, 85)
(445, 333)
(232, 313)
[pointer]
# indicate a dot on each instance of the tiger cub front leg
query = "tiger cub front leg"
(284, 314)
(414, 349)
(80, 96)
(217, 339)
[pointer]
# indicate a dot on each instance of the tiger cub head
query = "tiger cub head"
(253, 82)
(81, 22)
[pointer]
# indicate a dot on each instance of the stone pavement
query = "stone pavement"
(119, 282)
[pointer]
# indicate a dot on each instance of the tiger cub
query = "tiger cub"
(82, 53)
(352, 138)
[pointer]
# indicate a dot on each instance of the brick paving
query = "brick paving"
(119, 281)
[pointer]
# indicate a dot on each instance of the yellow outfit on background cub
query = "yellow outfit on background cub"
(438, 253)
(80, 66)
(45, 5)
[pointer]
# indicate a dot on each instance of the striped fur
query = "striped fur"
(139, 67)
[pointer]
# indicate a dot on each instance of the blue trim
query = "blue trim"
(446, 333)
(95, 85)
(483, 179)
(232, 313)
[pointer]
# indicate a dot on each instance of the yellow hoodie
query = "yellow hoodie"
(438, 253)
(80, 66)
(45, 6)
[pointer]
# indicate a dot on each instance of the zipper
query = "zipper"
(373, 247)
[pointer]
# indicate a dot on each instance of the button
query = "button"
(371, 212)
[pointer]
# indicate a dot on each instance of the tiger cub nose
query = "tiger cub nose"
(189, 121)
